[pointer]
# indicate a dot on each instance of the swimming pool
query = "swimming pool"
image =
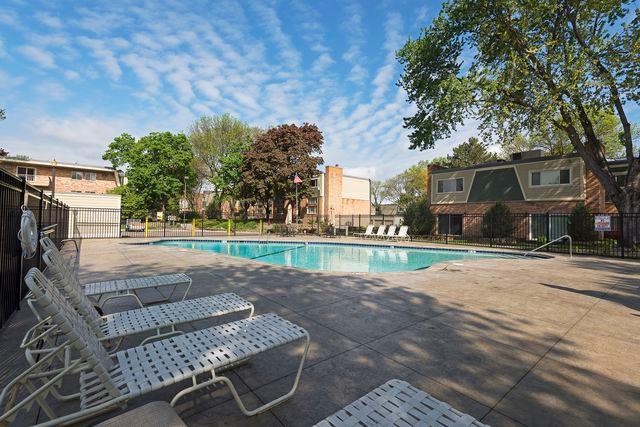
(334, 256)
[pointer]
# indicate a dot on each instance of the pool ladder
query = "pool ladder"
(566, 236)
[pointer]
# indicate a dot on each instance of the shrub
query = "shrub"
(419, 218)
(497, 221)
(581, 223)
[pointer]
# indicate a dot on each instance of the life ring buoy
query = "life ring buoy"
(28, 234)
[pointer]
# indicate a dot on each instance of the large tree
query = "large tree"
(274, 159)
(377, 194)
(554, 62)
(472, 152)
(155, 165)
(219, 144)
(3, 114)
(555, 142)
(407, 186)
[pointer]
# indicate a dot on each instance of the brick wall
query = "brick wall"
(516, 207)
(64, 184)
(333, 190)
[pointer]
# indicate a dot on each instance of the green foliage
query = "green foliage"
(276, 157)
(156, 166)
(533, 64)
(418, 217)
(219, 144)
(3, 152)
(132, 203)
(3, 114)
(407, 186)
(468, 153)
(497, 221)
(238, 225)
(20, 157)
(581, 223)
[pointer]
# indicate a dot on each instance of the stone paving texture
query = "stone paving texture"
(510, 341)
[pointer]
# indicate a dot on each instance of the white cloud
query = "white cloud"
(49, 20)
(71, 75)
(103, 55)
(38, 55)
(53, 91)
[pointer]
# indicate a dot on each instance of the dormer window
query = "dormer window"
(454, 185)
(550, 178)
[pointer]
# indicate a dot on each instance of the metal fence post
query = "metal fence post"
(202, 225)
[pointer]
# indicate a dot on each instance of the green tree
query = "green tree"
(497, 221)
(554, 142)
(581, 223)
(419, 218)
(275, 157)
(219, 144)
(469, 153)
(155, 166)
(539, 62)
(3, 114)
(377, 194)
(407, 186)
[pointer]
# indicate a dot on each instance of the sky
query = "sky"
(73, 75)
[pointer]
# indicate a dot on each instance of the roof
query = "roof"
(58, 164)
(514, 162)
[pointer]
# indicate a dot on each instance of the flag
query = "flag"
(297, 179)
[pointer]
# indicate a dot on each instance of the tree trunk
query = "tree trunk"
(629, 208)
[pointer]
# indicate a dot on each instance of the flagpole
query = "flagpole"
(296, 203)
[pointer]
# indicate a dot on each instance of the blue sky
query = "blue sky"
(73, 75)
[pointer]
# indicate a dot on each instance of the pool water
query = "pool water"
(334, 257)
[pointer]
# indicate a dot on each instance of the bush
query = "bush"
(581, 223)
(419, 218)
(497, 222)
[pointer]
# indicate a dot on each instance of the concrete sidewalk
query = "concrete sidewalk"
(526, 341)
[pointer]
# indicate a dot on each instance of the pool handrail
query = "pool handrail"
(566, 236)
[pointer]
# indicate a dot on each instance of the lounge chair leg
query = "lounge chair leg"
(236, 397)
(127, 295)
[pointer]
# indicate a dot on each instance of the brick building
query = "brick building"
(338, 194)
(528, 184)
(58, 177)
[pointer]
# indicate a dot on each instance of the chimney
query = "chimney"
(531, 154)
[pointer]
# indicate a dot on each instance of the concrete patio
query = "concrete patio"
(512, 342)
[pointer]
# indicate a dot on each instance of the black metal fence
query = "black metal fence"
(15, 192)
(529, 231)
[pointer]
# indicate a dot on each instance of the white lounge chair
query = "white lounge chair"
(129, 287)
(402, 233)
(380, 233)
(113, 328)
(391, 232)
(398, 403)
(366, 233)
(108, 381)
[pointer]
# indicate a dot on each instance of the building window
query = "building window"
(551, 177)
(76, 175)
(450, 224)
(90, 176)
(314, 183)
(450, 185)
(313, 200)
(27, 173)
(311, 210)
